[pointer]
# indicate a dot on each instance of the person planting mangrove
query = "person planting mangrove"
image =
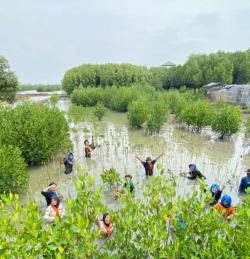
(88, 147)
(194, 173)
(105, 226)
(149, 164)
(245, 183)
(225, 206)
(55, 209)
(49, 192)
(216, 192)
(68, 162)
(128, 186)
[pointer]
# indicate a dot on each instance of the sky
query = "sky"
(42, 39)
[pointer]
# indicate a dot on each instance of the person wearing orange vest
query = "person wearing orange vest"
(55, 209)
(225, 206)
(104, 225)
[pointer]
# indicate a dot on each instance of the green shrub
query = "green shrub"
(138, 112)
(157, 116)
(87, 97)
(53, 99)
(111, 177)
(226, 120)
(248, 127)
(99, 111)
(39, 131)
(198, 114)
(149, 226)
(13, 173)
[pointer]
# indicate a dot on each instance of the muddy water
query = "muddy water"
(117, 144)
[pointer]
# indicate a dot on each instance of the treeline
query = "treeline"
(224, 67)
(40, 87)
(88, 75)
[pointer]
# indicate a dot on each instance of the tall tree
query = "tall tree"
(8, 81)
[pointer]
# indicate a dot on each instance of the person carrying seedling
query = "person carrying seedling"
(49, 192)
(128, 186)
(88, 148)
(194, 173)
(55, 209)
(105, 226)
(149, 164)
(68, 162)
(225, 206)
(216, 192)
(245, 183)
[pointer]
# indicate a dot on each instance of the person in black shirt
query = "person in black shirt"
(149, 164)
(216, 192)
(194, 173)
(49, 192)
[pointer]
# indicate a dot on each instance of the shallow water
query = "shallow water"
(117, 144)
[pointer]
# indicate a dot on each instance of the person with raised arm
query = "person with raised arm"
(149, 164)
(88, 147)
(105, 226)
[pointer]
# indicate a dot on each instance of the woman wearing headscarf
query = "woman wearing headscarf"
(55, 209)
(216, 192)
(104, 225)
(225, 206)
(193, 173)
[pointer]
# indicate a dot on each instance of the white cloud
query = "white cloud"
(42, 39)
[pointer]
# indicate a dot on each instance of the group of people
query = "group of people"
(55, 207)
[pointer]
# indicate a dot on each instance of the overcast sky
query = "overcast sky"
(42, 39)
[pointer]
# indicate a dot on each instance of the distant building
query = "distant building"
(235, 94)
(168, 64)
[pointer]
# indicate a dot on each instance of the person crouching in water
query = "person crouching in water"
(149, 164)
(127, 187)
(194, 173)
(55, 209)
(216, 192)
(68, 162)
(105, 226)
(225, 206)
(88, 148)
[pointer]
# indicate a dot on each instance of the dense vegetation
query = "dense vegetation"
(8, 81)
(149, 107)
(224, 67)
(39, 87)
(37, 130)
(156, 225)
(13, 173)
(104, 75)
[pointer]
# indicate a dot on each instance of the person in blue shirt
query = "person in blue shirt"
(68, 162)
(245, 183)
